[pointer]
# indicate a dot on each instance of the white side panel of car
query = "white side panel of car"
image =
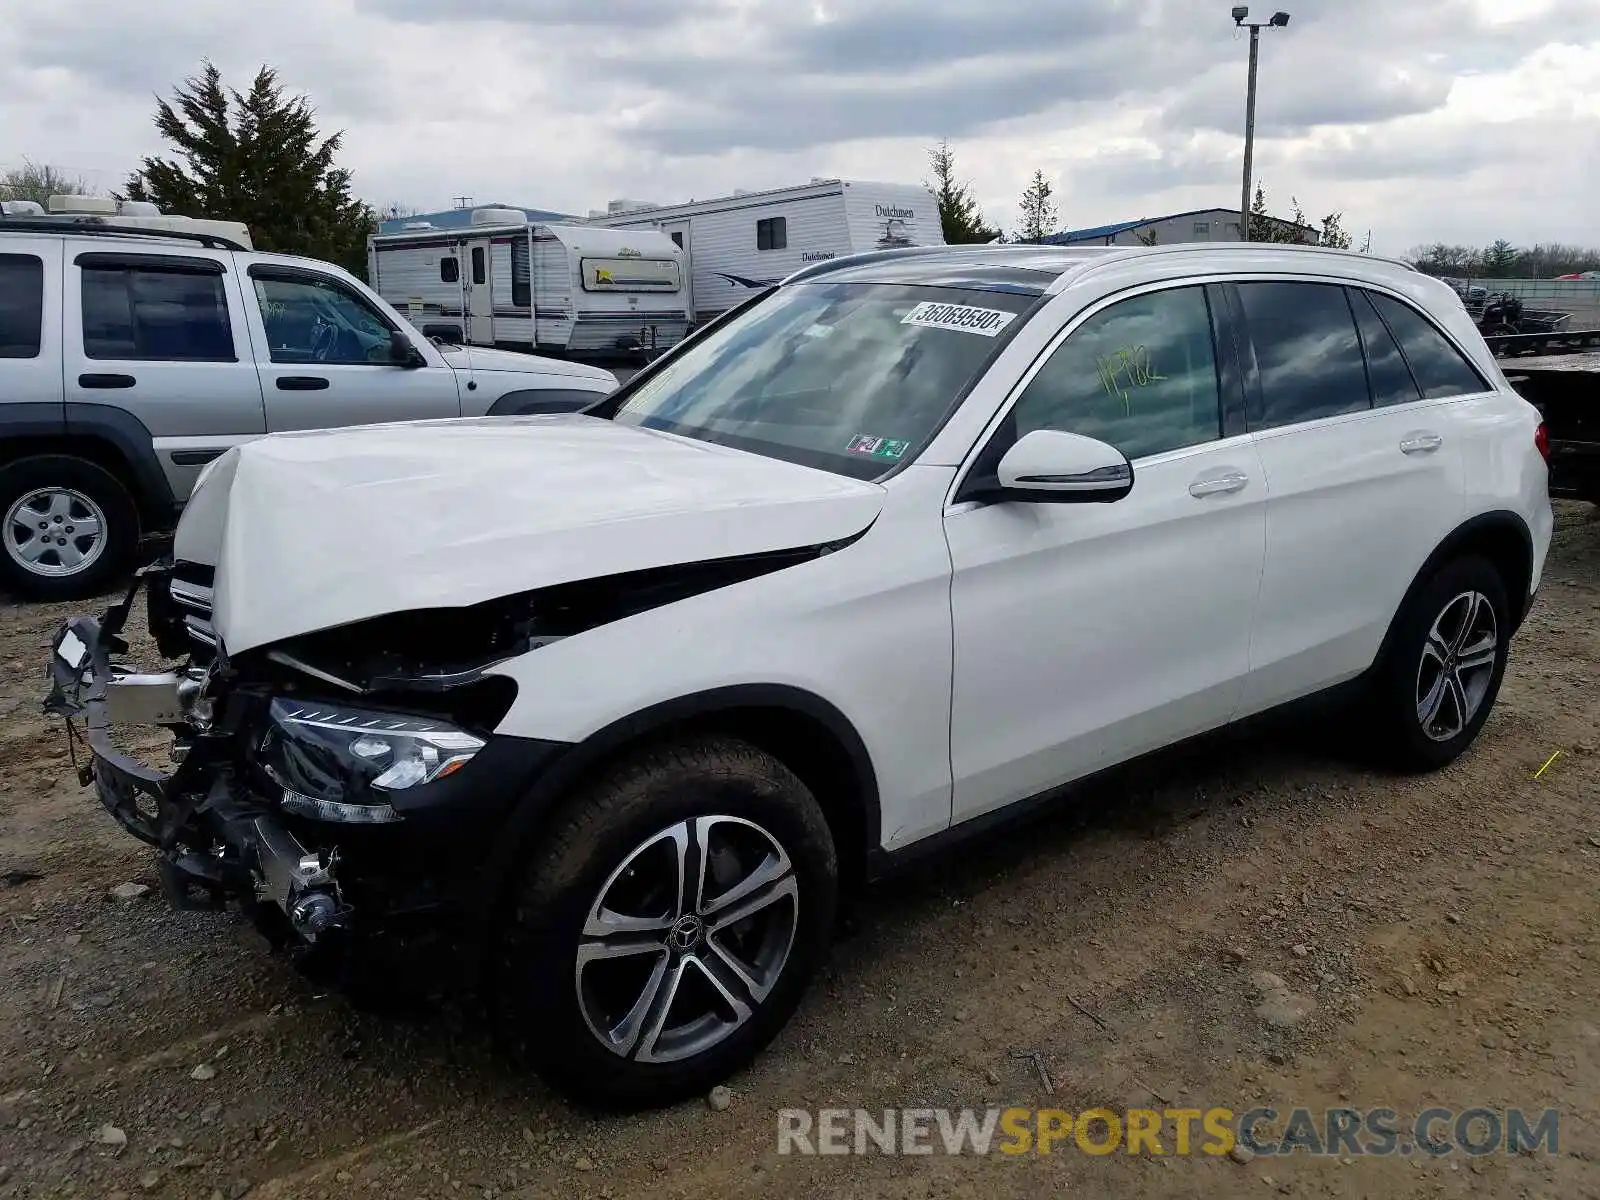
(1353, 517)
(866, 629)
(1087, 634)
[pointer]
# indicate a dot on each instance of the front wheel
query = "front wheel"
(668, 925)
(1444, 667)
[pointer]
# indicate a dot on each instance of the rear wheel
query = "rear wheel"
(1445, 665)
(668, 925)
(68, 527)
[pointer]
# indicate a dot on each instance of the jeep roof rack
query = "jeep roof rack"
(97, 227)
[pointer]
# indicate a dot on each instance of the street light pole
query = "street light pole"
(1279, 20)
(1249, 135)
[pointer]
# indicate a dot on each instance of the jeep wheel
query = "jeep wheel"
(68, 526)
(668, 926)
(1445, 665)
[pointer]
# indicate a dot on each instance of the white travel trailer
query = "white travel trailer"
(555, 289)
(750, 240)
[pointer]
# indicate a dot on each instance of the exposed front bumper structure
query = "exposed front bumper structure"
(227, 829)
(213, 846)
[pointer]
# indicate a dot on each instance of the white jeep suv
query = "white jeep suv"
(619, 705)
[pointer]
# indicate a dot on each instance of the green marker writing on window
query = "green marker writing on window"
(1125, 369)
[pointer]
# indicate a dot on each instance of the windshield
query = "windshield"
(850, 377)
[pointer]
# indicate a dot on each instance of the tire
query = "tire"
(578, 1013)
(62, 492)
(1429, 636)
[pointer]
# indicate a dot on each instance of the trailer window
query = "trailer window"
(21, 305)
(449, 270)
(479, 273)
(772, 233)
(521, 285)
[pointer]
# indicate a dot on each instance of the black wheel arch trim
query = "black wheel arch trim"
(1500, 521)
(580, 758)
(60, 424)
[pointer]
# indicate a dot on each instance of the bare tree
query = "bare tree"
(39, 181)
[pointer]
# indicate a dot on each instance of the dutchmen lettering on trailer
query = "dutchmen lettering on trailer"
(986, 322)
(894, 210)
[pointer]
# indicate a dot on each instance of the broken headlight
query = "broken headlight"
(343, 764)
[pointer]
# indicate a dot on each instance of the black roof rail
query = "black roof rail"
(96, 227)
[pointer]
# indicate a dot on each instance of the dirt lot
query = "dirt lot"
(1445, 930)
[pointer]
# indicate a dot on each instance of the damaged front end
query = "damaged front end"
(334, 785)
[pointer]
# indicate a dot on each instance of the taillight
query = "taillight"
(1541, 442)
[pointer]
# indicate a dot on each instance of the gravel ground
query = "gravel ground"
(1437, 938)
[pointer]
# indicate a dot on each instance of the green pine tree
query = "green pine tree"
(256, 158)
(959, 215)
(1037, 217)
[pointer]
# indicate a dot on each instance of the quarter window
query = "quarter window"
(149, 313)
(772, 233)
(1307, 353)
(21, 305)
(313, 319)
(1141, 375)
(1386, 367)
(449, 269)
(1438, 366)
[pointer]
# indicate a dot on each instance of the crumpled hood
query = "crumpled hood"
(479, 358)
(317, 529)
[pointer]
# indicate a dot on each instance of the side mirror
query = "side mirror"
(402, 353)
(1049, 466)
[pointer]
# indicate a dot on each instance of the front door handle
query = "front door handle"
(1217, 485)
(106, 381)
(1421, 443)
(301, 383)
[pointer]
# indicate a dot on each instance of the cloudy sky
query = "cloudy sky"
(1454, 120)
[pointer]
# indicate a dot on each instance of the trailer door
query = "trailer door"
(480, 293)
(678, 231)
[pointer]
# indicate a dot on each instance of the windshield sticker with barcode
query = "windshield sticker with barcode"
(930, 314)
(889, 449)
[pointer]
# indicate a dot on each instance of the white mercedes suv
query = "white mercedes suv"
(613, 708)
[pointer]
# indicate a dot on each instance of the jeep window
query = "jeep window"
(155, 314)
(1141, 375)
(1438, 366)
(1307, 352)
(850, 377)
(316, 319)
(21, 305)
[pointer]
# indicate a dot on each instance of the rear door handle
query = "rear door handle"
(106, 381)
(1421, 443)
(301, 383)
(1217, 485)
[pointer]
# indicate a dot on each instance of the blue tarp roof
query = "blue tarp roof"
(1069, 236)
(460, 218)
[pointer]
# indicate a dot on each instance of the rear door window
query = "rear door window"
(1307, 353)
(21, 305)
(1386, 366)
(155, 313)
(1439, 367)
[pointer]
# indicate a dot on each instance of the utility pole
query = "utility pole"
(1249, 135)
(1279, 21)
